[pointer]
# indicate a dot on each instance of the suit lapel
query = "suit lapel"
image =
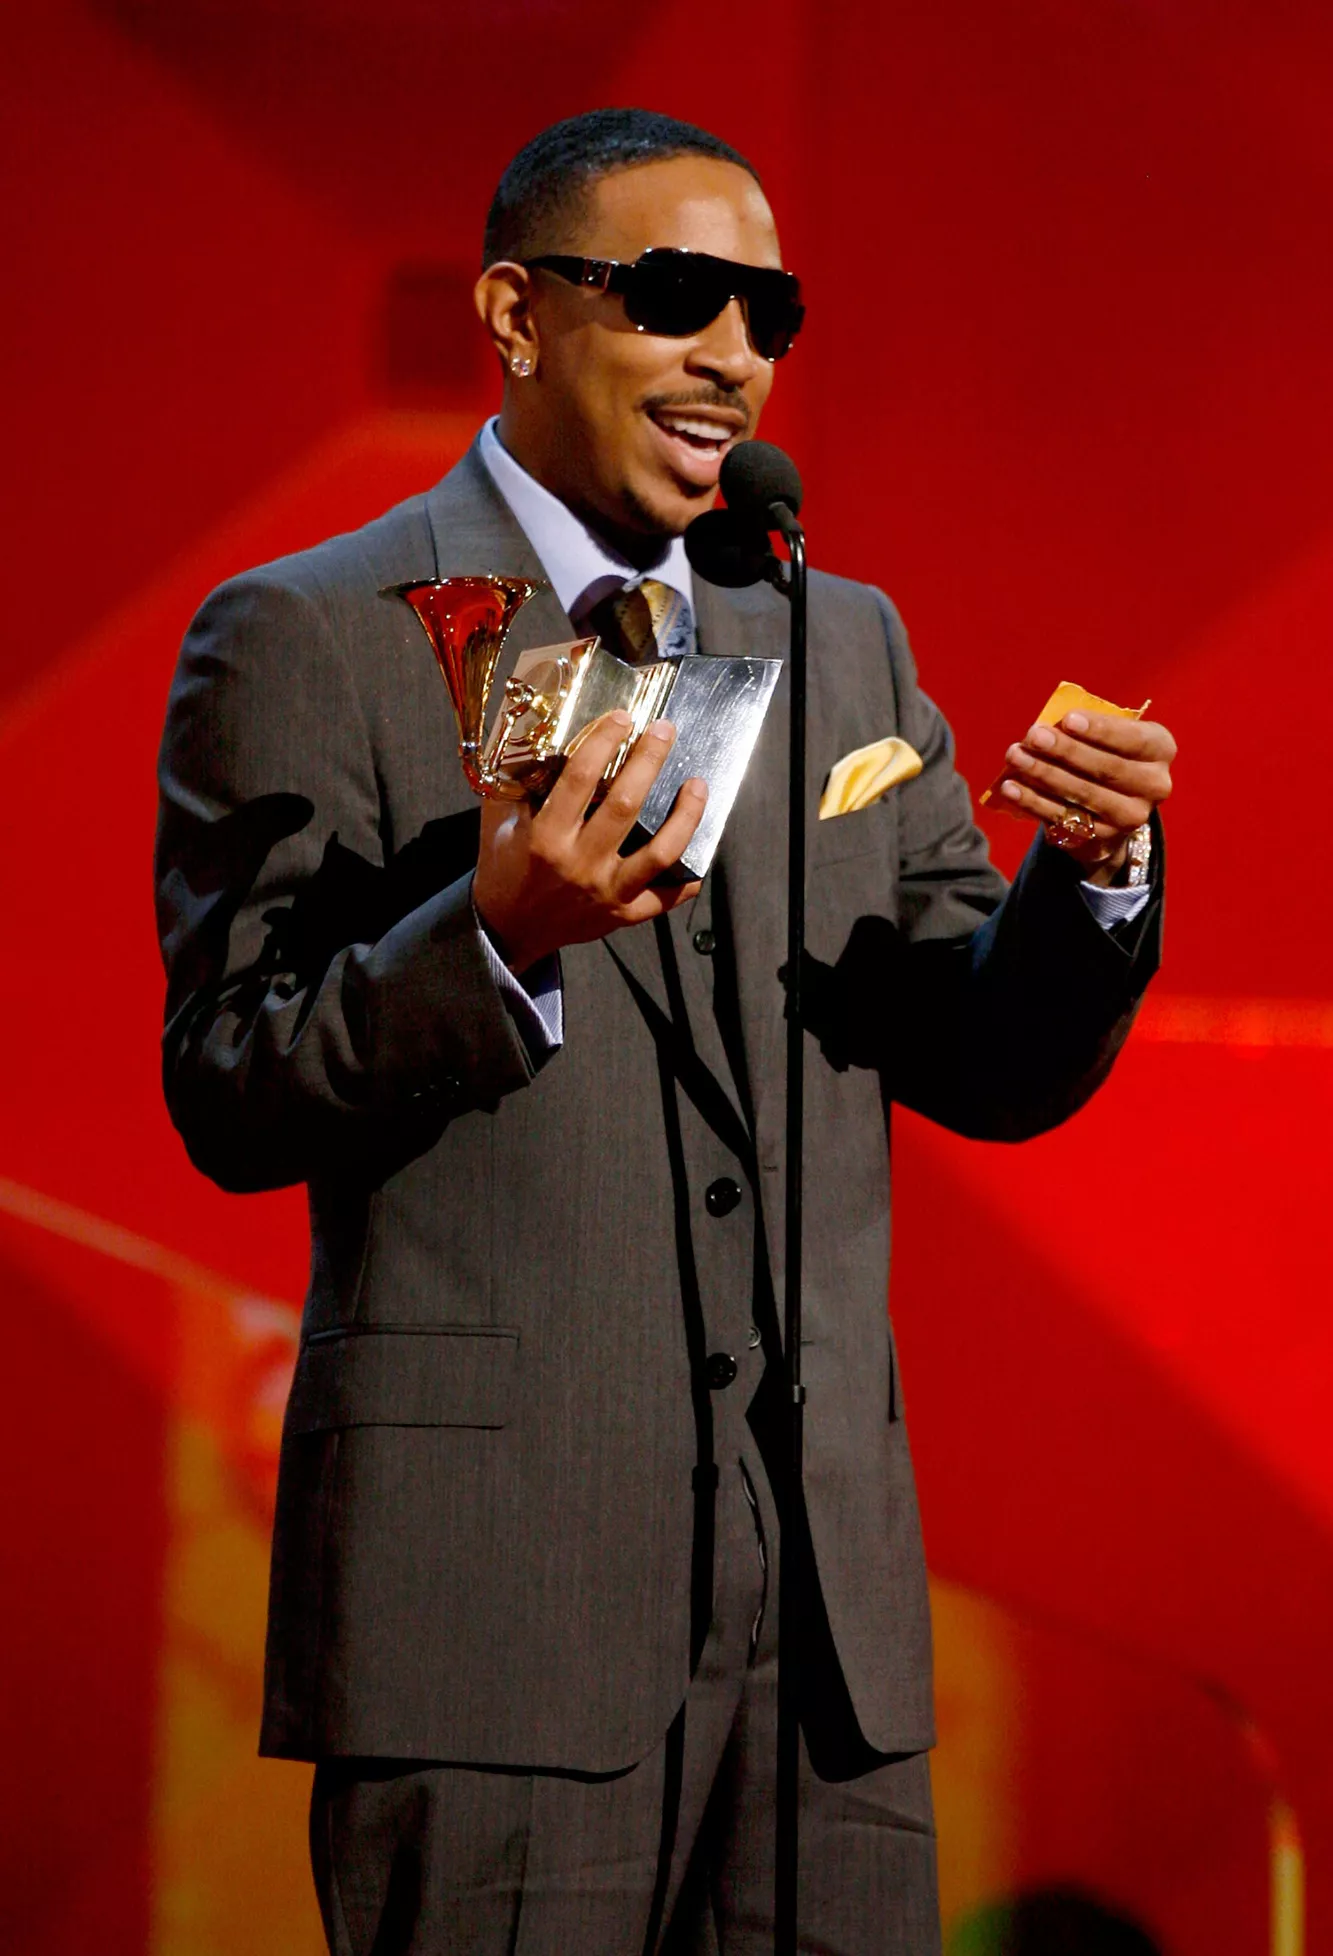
(474, 531)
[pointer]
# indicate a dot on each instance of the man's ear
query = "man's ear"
(503, 298)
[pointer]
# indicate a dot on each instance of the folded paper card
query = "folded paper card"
(865, 774)
(1069, 698)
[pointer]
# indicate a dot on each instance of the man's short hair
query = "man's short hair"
(544, 192)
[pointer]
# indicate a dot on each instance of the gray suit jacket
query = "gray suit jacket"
(492, 1505)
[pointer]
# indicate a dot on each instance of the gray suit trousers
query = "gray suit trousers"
(676, 1854)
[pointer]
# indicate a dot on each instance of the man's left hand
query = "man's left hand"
(1117, 771)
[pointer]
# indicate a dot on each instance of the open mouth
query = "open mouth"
(697, 438)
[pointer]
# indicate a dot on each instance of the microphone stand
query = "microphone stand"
(730, 547)
(787, 1827)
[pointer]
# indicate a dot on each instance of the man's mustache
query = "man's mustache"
(711, 395)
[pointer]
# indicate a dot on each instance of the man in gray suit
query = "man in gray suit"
(525, 1549)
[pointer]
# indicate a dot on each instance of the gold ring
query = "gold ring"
(1075, 826)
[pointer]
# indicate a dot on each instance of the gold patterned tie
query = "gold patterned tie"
(649, 621)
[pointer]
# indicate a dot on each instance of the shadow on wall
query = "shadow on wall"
(1052, 1922)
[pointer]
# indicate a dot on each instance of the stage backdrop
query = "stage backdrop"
(1065, 392)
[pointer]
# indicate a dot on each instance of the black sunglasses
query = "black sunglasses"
(676, 293)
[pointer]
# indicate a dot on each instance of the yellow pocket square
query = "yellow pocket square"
(865, 774)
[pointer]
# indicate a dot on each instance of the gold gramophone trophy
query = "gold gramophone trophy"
(556, 691)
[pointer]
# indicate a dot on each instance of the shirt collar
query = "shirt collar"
(574, 557)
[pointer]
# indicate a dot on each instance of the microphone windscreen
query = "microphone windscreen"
(755, 475)
(727, 550)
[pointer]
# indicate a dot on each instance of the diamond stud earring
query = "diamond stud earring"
(521, 365)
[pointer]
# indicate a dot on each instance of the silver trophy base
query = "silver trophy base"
(717, 707)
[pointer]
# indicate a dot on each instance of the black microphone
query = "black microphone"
(727, 549)
(762, 485)
(729, 546)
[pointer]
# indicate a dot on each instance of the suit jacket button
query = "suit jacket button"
(720, 1370)
(705, 943)
(721, 1196)
(755, 1339)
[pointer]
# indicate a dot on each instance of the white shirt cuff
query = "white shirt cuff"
(537, 1005)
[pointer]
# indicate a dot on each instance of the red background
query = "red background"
(1065, 390)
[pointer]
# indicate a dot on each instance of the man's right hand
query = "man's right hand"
(547, 877)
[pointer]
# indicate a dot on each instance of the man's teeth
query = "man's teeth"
(705, 431)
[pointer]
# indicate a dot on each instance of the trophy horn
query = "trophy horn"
(466, 619)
